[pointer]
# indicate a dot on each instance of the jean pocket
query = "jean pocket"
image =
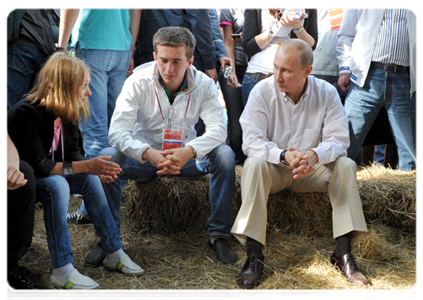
(248, 79)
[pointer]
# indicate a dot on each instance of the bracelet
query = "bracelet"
(297, 31)
(270, 33)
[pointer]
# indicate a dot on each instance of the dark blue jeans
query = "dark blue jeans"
(220, 163)
(391, 90)
(24, 61)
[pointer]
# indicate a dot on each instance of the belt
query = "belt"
(389, 68)
(260, 76)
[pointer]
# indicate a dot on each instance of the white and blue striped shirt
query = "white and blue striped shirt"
(392, 41)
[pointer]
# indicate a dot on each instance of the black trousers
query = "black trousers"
(20, 217)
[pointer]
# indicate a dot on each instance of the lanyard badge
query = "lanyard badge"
(172, 135)
(172, 139)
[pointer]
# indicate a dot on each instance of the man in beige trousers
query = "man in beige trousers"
(295, 134)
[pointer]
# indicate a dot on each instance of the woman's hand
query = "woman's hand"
(101, 166)
(290, 18)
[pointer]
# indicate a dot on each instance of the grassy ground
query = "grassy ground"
(180, 266)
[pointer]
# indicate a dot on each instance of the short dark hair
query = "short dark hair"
(175, 36)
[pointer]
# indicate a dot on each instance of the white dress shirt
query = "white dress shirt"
(271, 122)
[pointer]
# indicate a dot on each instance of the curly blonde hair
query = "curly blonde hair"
(58, 87)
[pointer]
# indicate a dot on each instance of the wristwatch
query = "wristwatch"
(58, 48)
(67, 168)
(282, 158)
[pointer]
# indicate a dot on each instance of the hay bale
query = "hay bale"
(388, 196)
(168, 204)
(173, 204)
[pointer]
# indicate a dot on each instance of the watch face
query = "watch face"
(67, 171)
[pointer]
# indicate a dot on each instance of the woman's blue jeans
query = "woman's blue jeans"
(220, 163)
(247, 85)
(54, 191)
(391, 90)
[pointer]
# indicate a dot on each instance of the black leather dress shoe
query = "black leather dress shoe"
(348, 268)
(251, 272)
(21, 278)
(223, 251)
(95, 257)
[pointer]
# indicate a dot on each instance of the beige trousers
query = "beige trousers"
(260, 178)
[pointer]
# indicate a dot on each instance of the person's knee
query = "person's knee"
(57, 186)
(117, 156)
(255, 164)
(225, 157)
(346, 164)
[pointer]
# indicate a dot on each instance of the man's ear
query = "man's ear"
(190, 61)
(308, 70)
(154, 55)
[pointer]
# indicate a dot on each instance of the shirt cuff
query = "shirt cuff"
(225, 23)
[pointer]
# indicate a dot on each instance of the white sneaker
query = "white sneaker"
(124, 265)
(75, 281)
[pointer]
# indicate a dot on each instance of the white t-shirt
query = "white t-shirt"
(262, 62)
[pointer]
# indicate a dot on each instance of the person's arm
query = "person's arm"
(300, 31)
(346, 36)
(134, 26)
(67, 21)
(200, 26)
(211, 112)
(255, 127)
(335, 138)
(250, 30)
(15, 178)
(129, 102)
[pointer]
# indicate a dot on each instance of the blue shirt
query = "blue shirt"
(104, 29)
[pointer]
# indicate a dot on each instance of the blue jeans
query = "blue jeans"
(54, 192)
(247, 85)
(23, 64)
(108, 73)
(220, 163)
(391, 90)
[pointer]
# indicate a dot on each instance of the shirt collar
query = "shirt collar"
(183, 87)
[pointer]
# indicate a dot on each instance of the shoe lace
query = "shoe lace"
(254, 259)
(75, 215)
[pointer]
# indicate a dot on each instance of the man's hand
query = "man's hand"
(162, 160)
(344, 81)
(15, 178)
(232, 79)
(176, 158)
(302, 162)
(212, 73)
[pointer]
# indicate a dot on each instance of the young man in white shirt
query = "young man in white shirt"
(152, 133)
(295, 135)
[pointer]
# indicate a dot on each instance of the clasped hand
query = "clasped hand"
(169, 161)
(302, 162)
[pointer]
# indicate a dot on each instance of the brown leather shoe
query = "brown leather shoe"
(251, 272)
(348, 268)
